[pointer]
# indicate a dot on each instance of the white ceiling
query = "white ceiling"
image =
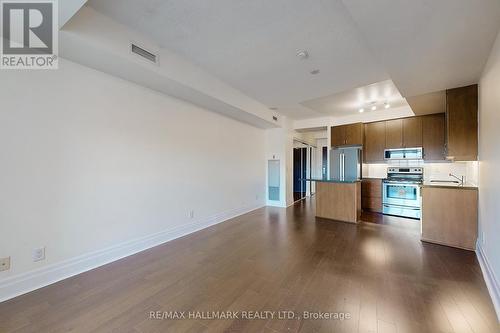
(423, 46)
(347, 102)
(429, 45)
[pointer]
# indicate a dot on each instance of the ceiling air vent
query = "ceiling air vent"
(144, 53)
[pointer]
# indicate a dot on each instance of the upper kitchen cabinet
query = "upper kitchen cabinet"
(347, 135)
(354, 134)
(412, 132)
(374, 146)
(338, 136)
(433, 130)
(462, 123)
(394, 134)
(403, 133)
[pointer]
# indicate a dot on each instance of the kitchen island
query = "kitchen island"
(338, 200)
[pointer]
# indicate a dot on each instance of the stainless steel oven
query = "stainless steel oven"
(401, 192)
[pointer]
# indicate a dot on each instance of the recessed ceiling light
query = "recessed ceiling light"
(315, 71)
(374, 108)
(387, 105)
(302, 55)
(361, 110)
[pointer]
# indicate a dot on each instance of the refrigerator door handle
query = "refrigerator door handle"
(342, 170)
(341, 166)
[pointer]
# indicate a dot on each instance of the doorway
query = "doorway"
(304, 167)
(299, 172)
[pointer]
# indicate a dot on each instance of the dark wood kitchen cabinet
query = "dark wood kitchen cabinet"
(347, 135)
(354, 134)
(433, 139)
(338, 136)
(412, 132)
(371, 195)
(462, 123)
(394, 134)
(373, 149)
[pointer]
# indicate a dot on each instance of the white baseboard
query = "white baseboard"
(26, 282)
(275, 204)
(490, 278)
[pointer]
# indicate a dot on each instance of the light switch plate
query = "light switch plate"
(4, 264)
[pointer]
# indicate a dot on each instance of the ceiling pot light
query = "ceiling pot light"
(361, 110)
(315, 71)
(387, 105)
(374, 108)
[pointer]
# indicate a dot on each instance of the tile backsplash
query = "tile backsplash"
(432, 171)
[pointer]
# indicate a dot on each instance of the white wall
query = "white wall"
(489, 164)
(97, 41)
(89, 161)
(276, 150)
(279, 145)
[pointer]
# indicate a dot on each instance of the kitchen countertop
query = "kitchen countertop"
(466, 186)
(327, 180)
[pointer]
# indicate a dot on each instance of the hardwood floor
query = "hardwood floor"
(269, 260)
(395, 221)
(298, 196)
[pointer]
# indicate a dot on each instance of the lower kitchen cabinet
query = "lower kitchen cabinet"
(449, 216)
(371, 195)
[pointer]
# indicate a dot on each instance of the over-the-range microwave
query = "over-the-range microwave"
(404, 154)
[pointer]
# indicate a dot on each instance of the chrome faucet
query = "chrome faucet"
(461, 179)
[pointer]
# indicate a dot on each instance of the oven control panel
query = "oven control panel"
(415, 170)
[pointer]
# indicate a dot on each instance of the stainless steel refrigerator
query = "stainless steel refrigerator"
(345, 163)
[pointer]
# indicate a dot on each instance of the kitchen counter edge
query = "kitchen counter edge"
(457, 187)
(323, 180)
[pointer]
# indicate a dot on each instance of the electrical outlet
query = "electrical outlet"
(38, 254)
(191, 214)
(4, 264)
